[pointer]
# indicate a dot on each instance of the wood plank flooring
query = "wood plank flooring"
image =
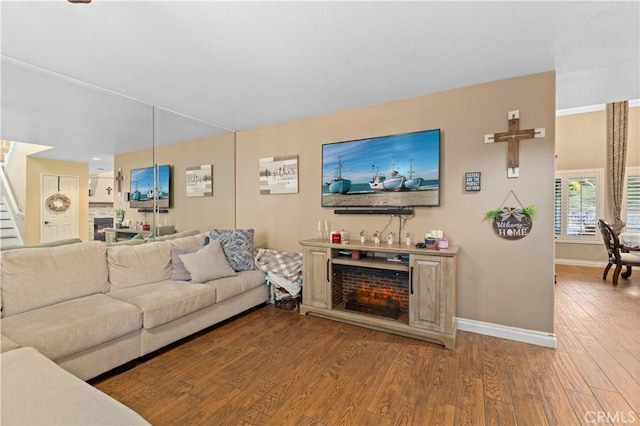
(274, 367)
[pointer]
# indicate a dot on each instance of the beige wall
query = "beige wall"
(36, 167)
(581, 143)
(499, 281)
(201, 213)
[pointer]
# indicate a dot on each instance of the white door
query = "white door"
(59, 208)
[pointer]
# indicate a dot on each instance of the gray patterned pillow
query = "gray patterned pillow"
(237, 245)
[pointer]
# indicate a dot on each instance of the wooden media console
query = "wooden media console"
(429, 278)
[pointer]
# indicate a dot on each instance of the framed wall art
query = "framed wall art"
(279, 175)
(200, 181)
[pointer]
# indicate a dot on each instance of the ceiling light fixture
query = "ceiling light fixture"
(79, 1)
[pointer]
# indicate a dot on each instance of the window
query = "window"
(578, 205)
(631, 205)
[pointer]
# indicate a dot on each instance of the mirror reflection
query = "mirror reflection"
(69, 150)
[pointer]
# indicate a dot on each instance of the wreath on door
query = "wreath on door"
(58, 203)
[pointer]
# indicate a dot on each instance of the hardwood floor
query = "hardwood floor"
(273, 366)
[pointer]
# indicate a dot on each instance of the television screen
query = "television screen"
(388, 171)
(143, 190)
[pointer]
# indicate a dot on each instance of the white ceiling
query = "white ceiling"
(240, 65)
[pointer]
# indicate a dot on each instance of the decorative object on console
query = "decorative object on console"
(363, 239)
(323, 235)
(513, 137)
(376, 238)
(279, 175)
(199, 181)
(512, 223)
(120, 213)
(237, 245)
(335, 237)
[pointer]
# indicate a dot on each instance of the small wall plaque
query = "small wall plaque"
(472, 181)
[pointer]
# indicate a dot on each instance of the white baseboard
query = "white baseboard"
(533, 337)
(577, 262)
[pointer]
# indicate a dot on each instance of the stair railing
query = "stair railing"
(17, 215)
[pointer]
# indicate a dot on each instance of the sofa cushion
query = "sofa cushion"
(130, 242)
(238, 247)
(55, 243)
(226, 288)
(175, 236)
(37, 277)
(187, 242)
(35, 391)
(166, 301)
(130, 266)
(72, 326)
(208, 263)
(6, 344)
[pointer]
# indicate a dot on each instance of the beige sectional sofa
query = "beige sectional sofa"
(90, 307)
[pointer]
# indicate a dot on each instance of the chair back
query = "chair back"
(611, 241)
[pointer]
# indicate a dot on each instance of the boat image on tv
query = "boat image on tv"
(339, 185)
(143, 188)
(401, 170)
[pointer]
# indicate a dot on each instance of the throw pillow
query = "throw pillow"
(238, 247)
(208, 263)
(179, 272)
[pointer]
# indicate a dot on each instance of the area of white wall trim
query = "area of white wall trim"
(579, 262)
(591, 108)
(533, 337)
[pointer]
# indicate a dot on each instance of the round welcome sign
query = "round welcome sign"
(512, 223)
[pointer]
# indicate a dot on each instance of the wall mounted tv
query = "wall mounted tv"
(400, 170)
(142, 187)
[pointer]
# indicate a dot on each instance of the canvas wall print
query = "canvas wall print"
(200, 181)
(279, 175)
(401, 170)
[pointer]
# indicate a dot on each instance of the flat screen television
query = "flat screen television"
(143, 189)
(400, 170)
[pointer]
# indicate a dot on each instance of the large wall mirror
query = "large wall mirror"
(69, 149)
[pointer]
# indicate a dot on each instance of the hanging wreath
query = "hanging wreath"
(58, 203)
(512, 223)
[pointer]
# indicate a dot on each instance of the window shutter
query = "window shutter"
(577, 205)
(581, 206)
(633, 203)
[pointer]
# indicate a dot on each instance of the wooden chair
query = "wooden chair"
(616, 256)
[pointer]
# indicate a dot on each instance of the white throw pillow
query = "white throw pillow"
(208, 263)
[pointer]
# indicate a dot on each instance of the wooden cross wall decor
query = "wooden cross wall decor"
(119, 178)
(513, 138)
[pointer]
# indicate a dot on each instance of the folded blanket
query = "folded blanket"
(284, 270)
(292, 287)
(285, 264)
